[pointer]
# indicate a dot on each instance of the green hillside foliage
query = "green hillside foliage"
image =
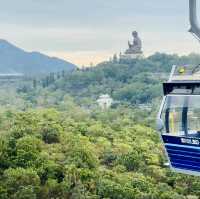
(56, 143)
(58, 154)
(127, 82)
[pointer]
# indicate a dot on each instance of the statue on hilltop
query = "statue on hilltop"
(136, 46)
(134, 50)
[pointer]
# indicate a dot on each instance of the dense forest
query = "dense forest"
(57, 143)
(128, 82)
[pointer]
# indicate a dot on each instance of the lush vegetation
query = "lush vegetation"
(50, 153)
(135, 82)
(56, 143)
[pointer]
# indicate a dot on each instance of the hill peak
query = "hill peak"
(5, 42)
(16, 60)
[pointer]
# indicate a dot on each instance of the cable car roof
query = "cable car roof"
(184, 80)
(185, 74)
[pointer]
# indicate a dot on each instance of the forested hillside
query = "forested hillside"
(70, 154)
(135, 82)
(56, 142)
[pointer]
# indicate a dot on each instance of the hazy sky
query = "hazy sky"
(84, 31)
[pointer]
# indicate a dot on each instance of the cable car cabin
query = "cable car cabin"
(179, 120)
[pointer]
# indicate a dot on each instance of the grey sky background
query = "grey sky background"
(92, 30)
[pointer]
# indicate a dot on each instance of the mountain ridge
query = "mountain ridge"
(17, 60)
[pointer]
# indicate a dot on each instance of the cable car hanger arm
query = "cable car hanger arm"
(195, 28)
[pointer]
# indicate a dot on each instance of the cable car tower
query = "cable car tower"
(179, 116)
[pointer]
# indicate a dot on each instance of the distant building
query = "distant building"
(105, 101)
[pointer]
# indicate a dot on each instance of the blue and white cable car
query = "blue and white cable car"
(179, 120)
(179, 116)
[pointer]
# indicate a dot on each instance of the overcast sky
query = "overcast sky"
(84, 31)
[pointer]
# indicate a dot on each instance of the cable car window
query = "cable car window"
(181, 115)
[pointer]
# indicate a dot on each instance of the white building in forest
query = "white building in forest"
(105, 101)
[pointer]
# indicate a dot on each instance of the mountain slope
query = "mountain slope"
(133, 82)
(16, 60)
